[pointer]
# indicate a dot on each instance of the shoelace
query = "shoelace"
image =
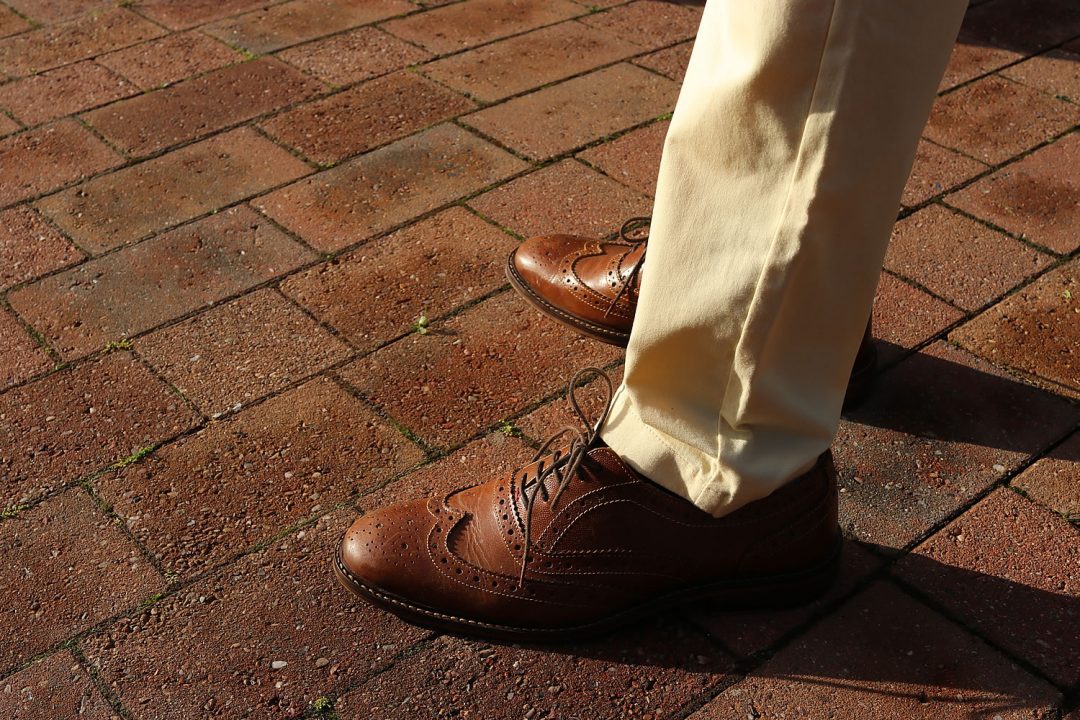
(630, 226)
(564, 462)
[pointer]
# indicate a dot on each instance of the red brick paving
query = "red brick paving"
(936, 171)
(77, 39)
(670, 61)
(587, 203)
(355, 55)
(1054, 481)
(563, 117)
(289, 23)
(650, 672)
(508, 67)
(500, 356)
(473, 22)
(168, 59)
(885, 655)
(1007, 566)
(197, 107)
(241, 351)
(959, 259)
(104, 300)
(50, 157)
(54, 587)
(57, 686)
(993, 119)
(905, 317)
(633, 159)
(232, 312)
(63, 427)
(387, 187)
(63, 91)
(1045, 313)
(30, 247)
(242, 479)
(20, 356)
(330, 130)
(211, 648)
(140, 199)
(427, 269)
(1036, 198)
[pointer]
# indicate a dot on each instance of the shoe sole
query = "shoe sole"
(775, 592)
(585, 327)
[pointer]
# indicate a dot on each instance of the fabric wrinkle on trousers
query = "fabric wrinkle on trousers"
(792, 138)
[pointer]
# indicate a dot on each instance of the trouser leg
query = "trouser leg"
(782, 170)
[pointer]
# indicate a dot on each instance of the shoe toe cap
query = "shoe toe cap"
(386, 549)
(538, 260)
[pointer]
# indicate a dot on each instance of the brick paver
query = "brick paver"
(941, 427)
(1054, 481)
(65, 426)
(252, 636)
(885, 655)
(340, 126)
(166, 60)
(375, 293)
(267, 280)
(289, 23)
(1037, 197)
(243, 479)
(1035, 331)
(389, 186)
(500, 356)
(650, 672)
(648, 23)
(20, 356)
(241, 351)
(993, 119)
(140, 199)
(78, 39)
(563, 198)
(30, 247)
(197, 107)
(355, 55)
(38, 161)
(104, 300)
(54, 687)
(568, 115)
(54, 587)
(63, 91)
(1007, 566)
(960, 259)
(524, 62)
(472, 22)
(633, 159)
(905, 316)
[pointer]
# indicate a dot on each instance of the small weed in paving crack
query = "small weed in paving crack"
(421, 324)
(113, 345)
(134, 457)
(508, 429)
(11, 511)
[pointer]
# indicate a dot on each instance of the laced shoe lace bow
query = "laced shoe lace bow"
(631, 234)
(564, 463)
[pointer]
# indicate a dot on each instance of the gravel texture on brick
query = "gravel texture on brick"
(105, 300)
(69, 424)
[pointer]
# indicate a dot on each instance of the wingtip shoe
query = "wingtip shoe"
(576, 543)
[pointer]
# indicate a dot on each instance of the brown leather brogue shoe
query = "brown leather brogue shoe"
(592, 286)
(577, 543)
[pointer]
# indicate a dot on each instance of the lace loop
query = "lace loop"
(564, 462)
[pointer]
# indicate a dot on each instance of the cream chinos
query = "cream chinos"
(780, 180)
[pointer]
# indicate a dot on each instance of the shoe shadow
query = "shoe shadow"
(881, 648)
(945, 393)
